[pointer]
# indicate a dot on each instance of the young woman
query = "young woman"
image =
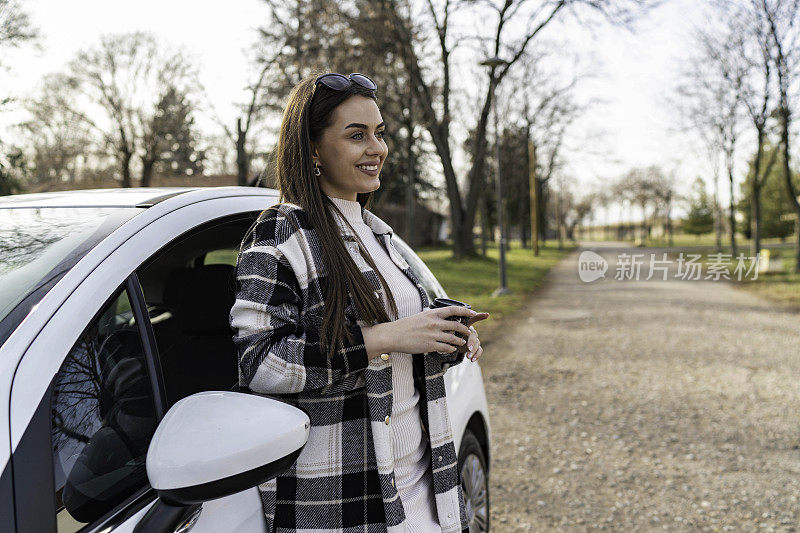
(329, 317)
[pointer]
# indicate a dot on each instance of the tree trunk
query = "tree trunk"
(787, 177)
(242, 157)
(461, 222)
(645, 230)
(755, 197)
(732, 213)
(783, 66)
(755, 218)
(462, 216)
(571, 231)
(717, 217)
(147, 172)
(559, 220)
(125, 165)
(541, 214)
(410, 196)
(797, 246)
(484, 228)
(668, 218)
(463, 244)
(533, 197)
(477, 174)
(523, 227)
(491, 225)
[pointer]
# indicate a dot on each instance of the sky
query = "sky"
(634, 72)
(215, 35)
(637, 126)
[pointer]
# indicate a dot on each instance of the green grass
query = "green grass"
(681, 240)
(782, 286)
(473, 280)
(709, 240)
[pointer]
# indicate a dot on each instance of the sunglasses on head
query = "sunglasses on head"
(338, 82)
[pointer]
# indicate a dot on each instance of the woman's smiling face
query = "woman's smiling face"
(351, 150)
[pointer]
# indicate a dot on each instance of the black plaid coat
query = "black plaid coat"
(343, 479)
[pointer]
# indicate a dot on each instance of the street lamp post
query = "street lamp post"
(493, 63)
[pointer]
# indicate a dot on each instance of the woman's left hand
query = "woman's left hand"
(472, 347)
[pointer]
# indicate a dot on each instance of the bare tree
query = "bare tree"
(219, 155)
(579, 210)
(303, 38)
(783, 29)
(58, 141)
(375, 48)
(116, 88)
(569, 209)
(652, 191)
(300, 37)
(549, 110)
(749, 39)
(15, 24)
(16, 29)
(712, 88)
(633, 188)
(435, 97)
(535, 132)
(664, 195)
(250, 113)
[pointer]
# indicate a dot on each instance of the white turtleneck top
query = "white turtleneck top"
(413, 477)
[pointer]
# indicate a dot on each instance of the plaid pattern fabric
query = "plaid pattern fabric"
(343, 479)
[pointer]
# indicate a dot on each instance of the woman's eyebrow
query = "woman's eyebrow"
(362, 126)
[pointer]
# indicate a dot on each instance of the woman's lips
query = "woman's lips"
(372, 173)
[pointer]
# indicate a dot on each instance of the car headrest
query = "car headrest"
(208, 295)
(176, 287)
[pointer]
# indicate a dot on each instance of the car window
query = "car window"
(225, 256)
(423, 273)
(189, 289)
(37, 244)
(103, 417)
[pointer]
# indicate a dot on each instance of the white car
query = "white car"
(104, 429)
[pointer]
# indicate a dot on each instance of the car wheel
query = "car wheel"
(474, 482)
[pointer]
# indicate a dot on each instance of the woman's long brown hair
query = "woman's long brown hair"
(308, 112)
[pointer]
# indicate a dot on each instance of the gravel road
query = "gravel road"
(644, 406)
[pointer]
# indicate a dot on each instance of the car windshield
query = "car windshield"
(38, 245)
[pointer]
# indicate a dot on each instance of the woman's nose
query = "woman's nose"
(376, 147)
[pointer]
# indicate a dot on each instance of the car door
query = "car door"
(104, 428)
(81, 460)
(189, 290)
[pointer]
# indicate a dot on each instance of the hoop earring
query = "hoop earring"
(317, 171)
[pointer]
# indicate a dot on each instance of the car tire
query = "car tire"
(474, 482)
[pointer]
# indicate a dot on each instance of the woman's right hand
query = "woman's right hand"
(429, 331)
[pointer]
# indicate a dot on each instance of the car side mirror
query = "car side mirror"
(213, 444)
